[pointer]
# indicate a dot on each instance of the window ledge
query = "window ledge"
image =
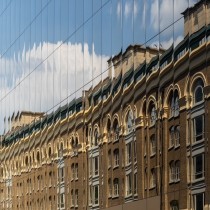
(152, 155)
(171, 147)
(197, 104)
(115, 196)
(198, 142)
(128, 164)
(198, 180)
(177, 146)
(177, 181)
(114, 167)
(152, 188)
(128, 196)
(151, 126)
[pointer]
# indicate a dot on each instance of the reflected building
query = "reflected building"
(136, 139)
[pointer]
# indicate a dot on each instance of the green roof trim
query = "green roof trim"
(117, 83)
(167, 55)
(127, 76)
(152, 63)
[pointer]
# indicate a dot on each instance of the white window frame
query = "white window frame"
(96, 166)
(128, 153)
(195, 200)
(95, 199)
(177, 136)
(116, 187)
(200, 136)
(153, 145)
(128, 184)
(153, 178)
(116, 157)
(202, 172)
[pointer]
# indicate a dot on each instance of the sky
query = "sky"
(52, 50)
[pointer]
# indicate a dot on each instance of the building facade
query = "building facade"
(136, 140)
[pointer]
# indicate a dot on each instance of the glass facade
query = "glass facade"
(92, 93)
(52, 51)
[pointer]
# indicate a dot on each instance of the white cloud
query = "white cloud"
(119, 9)
(162, 12)
(53, 79)
(128, 9)
(136, 8)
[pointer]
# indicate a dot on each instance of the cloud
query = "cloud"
(162, 12)
(136, 8)
(34, 83)
(128, 9)
(119, 9)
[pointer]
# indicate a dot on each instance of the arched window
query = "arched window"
(38, 157)
(90, 136)
(72, 141)
(49, 152)
(109, 130)
(129, 121)
(96, 137)
(76, 141)
(198, 91)
(153, 114)
(116, 187)
(174, 205)
(116, 130)
(174, 104)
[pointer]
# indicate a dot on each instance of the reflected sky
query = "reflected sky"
(52, 50)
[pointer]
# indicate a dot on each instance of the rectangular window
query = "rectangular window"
(76, 198)
(153, 145)
(135, 183)
(116, 158)
(128, 153)
(61, 174)
(109, 159)
(90, 194)
(198, 128)
(90, 166)
(96, 195)
(198, 166)
(116, 188)
(128, 184)
(62, 200)
(76, 171)
(135, 152)
(96, 166)
(198, 200)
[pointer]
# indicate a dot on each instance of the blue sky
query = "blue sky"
(52, 50)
